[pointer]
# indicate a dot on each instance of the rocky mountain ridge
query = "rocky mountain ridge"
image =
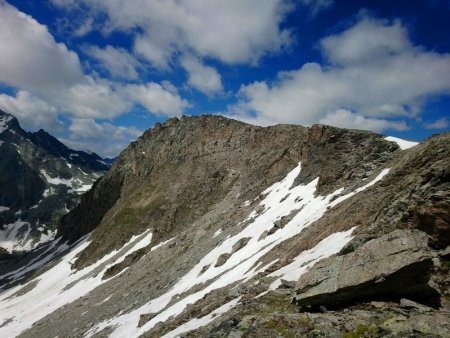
(176, 171)
(41, 179)
(210, 227)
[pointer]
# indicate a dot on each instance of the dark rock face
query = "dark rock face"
(90, 210)
(339, 156)
(390, 267)
(20, 184)
(40, 180)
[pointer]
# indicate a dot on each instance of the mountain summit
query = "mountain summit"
(210, 227)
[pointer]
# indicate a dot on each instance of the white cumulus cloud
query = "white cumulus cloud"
(159, 99)
(441, 123)
(374, 71)
(30, 57)
(202, 77)
(346, 119)
(118, 62)
(231, 31)
(32, 112)
(47, 81)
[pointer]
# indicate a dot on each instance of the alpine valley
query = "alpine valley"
(210, 227)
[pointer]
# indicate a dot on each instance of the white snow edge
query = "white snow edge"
(403, 144)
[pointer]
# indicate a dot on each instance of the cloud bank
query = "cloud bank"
(373, 78)
(49, 82)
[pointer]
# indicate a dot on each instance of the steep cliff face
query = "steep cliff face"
(40, 180)
(208, 227)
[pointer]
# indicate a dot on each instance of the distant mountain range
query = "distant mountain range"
(40, 180)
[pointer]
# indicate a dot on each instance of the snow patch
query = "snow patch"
(85, 174)
(161, 244)
(403, 144)
(37, 262)
(14, 236)
(58, 286)
(2, 209)
(103, 162)
(203, 321)
(83, 188)
(48, 192)
(46, 237)
(105, 300)
(56, 180)
(141, 244)
(380, 176)
(217, 233)
(303, 262)
(75, 185)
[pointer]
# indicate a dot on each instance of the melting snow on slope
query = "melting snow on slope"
(280, 201)
(203, 321)
(14, 235)
(380, 176)
(56, 180)
(58, 286)
(217, 233)
(46, 256)
(67, 182)
(156, 247)
(325, 248)
(83, 188)
(403, 144)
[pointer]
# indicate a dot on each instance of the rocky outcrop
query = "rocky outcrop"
(387, 268)
(88, 213)
(340, 157)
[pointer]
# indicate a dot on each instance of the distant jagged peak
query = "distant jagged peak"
(51, 144)
(8, 121)
(55, 147)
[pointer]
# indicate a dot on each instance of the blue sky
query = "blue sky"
(97, 73)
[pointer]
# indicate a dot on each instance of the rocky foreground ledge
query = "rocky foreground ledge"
(394, 266)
